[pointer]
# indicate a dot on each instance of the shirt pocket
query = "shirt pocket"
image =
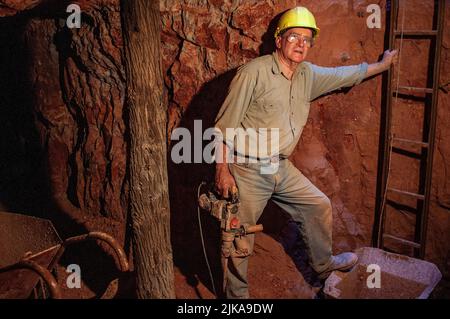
(270, 108)
(273, 116)
(263, 115)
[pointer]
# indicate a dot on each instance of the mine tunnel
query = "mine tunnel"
(110, 181)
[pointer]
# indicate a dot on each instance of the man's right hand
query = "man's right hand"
(225, 182)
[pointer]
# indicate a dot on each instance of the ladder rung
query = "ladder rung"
(404, 140)
(416, 32)
(418, 196)
(403, 241)
(401, 207)
(414, 89)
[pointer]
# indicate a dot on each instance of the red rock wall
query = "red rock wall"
(75, 81)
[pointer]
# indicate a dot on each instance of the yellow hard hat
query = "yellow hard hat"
(298, 17)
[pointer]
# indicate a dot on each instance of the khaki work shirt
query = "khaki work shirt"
(260, 97)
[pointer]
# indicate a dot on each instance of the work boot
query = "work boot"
(341, 262)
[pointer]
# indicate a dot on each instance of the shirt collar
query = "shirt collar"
(276, 65)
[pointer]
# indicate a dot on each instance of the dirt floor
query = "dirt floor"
(275, 272)
(282, 280)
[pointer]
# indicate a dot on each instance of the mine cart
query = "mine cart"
(30, 248)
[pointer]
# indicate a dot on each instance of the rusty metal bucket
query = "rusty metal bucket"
(30, 248)
(401, 277)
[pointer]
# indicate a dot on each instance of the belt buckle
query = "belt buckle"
(274, 159)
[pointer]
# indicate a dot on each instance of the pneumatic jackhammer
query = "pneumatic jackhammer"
(226, 211)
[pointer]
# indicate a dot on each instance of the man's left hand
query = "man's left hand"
(390, 57)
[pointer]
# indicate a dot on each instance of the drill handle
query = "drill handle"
(234, 195)
(253, 229)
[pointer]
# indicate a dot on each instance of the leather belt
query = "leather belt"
(272, 159)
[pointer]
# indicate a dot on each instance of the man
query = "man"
(274, 92)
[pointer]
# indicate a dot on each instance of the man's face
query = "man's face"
(293, 44)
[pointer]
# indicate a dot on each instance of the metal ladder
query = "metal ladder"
(422, 196)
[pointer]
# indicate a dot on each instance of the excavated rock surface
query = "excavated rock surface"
(74, 83)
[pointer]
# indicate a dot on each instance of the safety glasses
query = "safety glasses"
(295, 38)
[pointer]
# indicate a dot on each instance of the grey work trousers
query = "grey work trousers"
(295, 194)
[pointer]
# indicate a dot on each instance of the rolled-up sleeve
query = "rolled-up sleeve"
(236, 103)
(329, 79)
